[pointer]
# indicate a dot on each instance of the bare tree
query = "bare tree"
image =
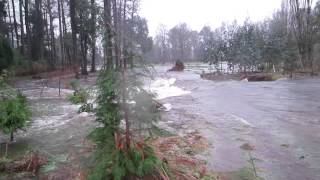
(301, 25)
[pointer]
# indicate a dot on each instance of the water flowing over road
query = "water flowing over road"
(279, 120)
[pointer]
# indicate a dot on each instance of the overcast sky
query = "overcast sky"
(197, 13)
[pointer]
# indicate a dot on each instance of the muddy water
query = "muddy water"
(280, 120)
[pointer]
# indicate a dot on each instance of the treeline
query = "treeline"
(287, 41)
(75, 34)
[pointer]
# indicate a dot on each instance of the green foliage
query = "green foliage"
(119, 164)
(79, 97)
(75, 85)
(14, 111)
(120, 96)
(108, 110)
(87, 107)
(6, 54)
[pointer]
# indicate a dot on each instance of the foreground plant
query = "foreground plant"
(14, 111)
(126, 113)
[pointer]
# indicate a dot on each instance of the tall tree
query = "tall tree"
(28, 30)
(74, 31)
(10, 23)
(15, 24)
(108, 34)
(21, 26)
(301, 25)
(61, 35)
(53, 53)
(93, 35)
(38, 35)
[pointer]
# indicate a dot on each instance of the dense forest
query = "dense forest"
(46, 34)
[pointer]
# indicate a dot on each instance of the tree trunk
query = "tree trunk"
(15, 23)
(64, 27)
(124, 42)
(28, 32)
(93, 35)
(116, 17)
(125, 109)
(11, 29)
(74, 35)
(11, 137)
(109, 36)
(52, 37)
(21, 26)
(48, 39)
(61, 35)
(37, 49)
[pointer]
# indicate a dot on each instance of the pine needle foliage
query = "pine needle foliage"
(126, 113)
(14, 111)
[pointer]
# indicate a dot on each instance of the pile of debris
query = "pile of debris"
(29, 163)
(180, 154)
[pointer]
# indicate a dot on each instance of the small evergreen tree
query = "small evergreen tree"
(14, 111)
(126, 113)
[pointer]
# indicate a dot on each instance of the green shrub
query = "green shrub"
(14, 111)
(87, 107)
(75, 85)
(79, 97)
(120, 164)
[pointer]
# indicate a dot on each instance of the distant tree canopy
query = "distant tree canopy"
(287, 41)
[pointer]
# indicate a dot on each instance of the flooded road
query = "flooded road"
(279, 121)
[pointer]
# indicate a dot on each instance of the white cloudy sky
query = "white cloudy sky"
(198, 13)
